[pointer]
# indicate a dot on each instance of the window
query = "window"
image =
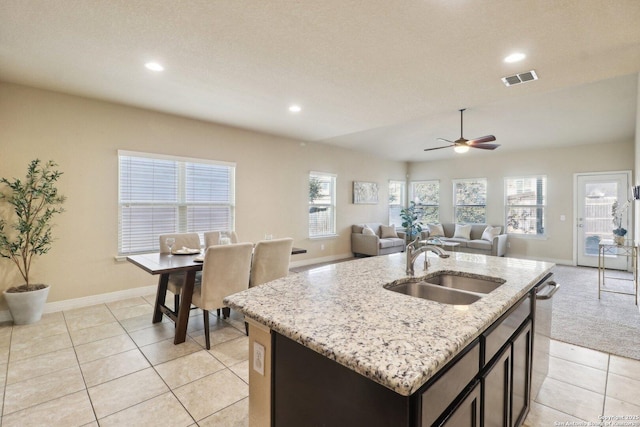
(396, 201)
(470, 201)
(166, 194)
(426, 195)
(322, 204)
(525, 200)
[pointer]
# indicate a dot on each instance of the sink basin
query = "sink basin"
(479, 284)
(435, 293)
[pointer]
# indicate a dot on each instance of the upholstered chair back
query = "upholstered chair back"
(270, 260)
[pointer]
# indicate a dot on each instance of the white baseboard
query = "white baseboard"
(70, 304)
(553, 260)
(320, 260)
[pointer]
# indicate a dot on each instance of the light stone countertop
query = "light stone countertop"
(343, 312)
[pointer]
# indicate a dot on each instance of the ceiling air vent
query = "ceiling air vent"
(520, 78)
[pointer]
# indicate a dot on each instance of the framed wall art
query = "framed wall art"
(365, 193)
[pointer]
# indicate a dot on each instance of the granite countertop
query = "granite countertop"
(343, 312)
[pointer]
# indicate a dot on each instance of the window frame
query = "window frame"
(331, 205)
(456, 206)
(423, 206)
(542, 208)
(401, 204)
(182, 224)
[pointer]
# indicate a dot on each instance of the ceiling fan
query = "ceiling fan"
(462, 145)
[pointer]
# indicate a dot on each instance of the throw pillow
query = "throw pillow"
(388, 232)
(463, 231)
(367, 231)
(435, 230)
(490, 232)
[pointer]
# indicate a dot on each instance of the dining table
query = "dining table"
(164, 264)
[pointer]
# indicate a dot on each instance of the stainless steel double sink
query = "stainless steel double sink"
(447, 287)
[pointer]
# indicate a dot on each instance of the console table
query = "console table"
(629, 250)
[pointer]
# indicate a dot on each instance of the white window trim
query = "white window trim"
(543, 236)
(453, 189)
(332, 204)
(403, 202)
(180, 159)
(412, 194)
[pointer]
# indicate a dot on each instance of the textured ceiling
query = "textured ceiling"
(382, 76)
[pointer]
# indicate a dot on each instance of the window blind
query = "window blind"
(165, 194)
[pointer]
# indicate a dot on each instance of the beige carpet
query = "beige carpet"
(610, 324)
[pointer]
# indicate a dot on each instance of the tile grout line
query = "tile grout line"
(86, 389)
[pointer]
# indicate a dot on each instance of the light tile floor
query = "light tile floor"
(107, 365)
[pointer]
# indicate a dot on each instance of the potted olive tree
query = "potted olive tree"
(26, 210)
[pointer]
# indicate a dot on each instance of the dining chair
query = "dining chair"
(212, 238)
(225, 271)
(270, 260)
(187, 240)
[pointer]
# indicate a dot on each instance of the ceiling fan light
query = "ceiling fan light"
(461, 148)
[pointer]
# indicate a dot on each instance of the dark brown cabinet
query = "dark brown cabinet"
(486, 384)
(467, 414)
(496, 384)
(506, 383)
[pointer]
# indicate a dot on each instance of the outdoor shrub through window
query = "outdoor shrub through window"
(426, 195)
(165, 194)
(470, 201)
(525, 201)
(322, 204)
(396, 201)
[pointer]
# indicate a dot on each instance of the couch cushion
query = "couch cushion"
(490, 232)
(463, 231)
(368, 231)
(388, 232)
(390, 243)
(356, 228)
(463, 242)
(435, 230)
(479, 244)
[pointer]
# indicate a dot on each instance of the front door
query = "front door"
(596, 194)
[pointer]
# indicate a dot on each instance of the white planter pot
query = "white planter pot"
(26, 307)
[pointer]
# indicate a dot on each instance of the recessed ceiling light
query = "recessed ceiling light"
(515, 57)
(154, 66)
(295, 108)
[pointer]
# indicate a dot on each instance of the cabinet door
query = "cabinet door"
(497, 391)
(521, 371)
(467, 414)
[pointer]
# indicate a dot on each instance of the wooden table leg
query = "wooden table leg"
(185, 306)
(161, 294)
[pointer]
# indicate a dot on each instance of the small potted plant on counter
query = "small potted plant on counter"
(26, 210)
(617, 212)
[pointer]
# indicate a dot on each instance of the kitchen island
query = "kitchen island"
(342, 318)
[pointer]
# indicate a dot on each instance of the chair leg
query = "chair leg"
(205, 315)
(246, 328)
(226, 312)
(176, 303)
(218, 312)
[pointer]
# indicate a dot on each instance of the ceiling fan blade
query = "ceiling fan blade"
(487, 138)
(485, 146)
(444, 140)
(438, 148)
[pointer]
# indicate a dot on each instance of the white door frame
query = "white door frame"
(575, 206)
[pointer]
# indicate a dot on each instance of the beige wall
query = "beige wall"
(83, 136)
(559, 165)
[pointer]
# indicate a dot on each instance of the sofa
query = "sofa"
(377, 239)
(471, 237)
